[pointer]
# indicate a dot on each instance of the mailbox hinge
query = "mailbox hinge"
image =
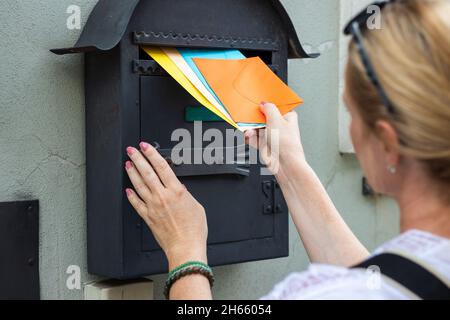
(272, 204)
(148, 68)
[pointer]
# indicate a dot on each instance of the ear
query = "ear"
(389, 140)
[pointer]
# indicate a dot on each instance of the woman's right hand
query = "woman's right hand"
(324, 233)
(279, 143)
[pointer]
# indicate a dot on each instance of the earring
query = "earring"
(392, 169)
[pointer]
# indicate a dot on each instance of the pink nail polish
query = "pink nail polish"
(128, 192)
(128, 165)
(144, 146)
(130, 150)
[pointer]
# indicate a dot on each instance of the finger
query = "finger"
(137, 203)
(272, 113)
(137, 181)
(291, 117)
(161, 167)
(145, 170)
(292, 120)
(263, 146)
(249, 133)
(262, 138)
(251, 138)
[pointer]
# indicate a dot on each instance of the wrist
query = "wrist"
(179, 257)
(292, 164)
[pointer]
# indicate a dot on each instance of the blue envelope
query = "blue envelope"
(189, 54)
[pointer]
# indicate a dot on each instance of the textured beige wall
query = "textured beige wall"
(42, 152)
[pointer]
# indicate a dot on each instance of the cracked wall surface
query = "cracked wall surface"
(42, 132)
(42, 153)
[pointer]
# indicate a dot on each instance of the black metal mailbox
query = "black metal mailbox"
(129, 99)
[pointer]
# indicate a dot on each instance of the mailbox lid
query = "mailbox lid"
(109, 20)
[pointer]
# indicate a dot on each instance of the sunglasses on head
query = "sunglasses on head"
(354, 28)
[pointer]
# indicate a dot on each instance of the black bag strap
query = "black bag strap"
(410, 275)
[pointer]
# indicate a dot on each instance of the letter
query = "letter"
(233, 139)
(326, 46)
(74, 20)
(73, 281)
(189, 310)
(271, 154)
(198, 142)
(207, 311)
(374, 21)
(181, 153)
(373, 274)
(198, 310)
(216, 147)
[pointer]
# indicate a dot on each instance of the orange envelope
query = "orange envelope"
(241, 85)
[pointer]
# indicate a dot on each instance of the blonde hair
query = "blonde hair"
(411, 57)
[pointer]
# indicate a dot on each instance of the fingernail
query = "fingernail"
(130, 150)
(128, 192)
(144, 146)
(128, 165)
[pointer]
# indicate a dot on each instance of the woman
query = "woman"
(398, 95)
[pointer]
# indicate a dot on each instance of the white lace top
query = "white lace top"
(331, 282)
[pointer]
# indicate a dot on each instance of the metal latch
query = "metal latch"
(148, 68)
(272, 204)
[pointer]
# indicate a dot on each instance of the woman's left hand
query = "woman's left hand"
(176, 219)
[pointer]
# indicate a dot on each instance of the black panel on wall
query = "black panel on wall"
(19, 250)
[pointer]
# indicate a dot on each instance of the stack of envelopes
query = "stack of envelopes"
(227, 83)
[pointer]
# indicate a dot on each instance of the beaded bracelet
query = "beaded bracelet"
(189, 268)
(190, 263)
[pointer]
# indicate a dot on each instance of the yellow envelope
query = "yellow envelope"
(179, 61)
(165, 62)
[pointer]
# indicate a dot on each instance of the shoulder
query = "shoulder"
(428, 249)
(332, 282)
